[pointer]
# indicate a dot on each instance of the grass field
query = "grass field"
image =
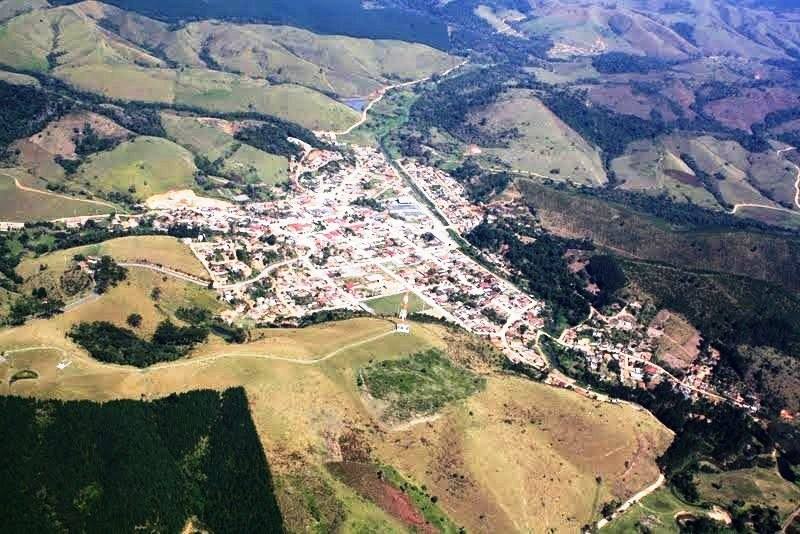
(760, 486)
(145, 167)
(390, 305)
(24, 206)
(545, 145)
(161, 250)
(656, 511)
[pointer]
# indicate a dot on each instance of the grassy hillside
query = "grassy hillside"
(341, 65)
(707, 171)
(213, 140)
(274, 70)
(310, 414)
(347, 17)
(543, 144)
(144, 167)
(23, 206)
(623, 231)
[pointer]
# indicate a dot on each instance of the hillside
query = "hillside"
(623, 231)
(310, 415)
(541, 143)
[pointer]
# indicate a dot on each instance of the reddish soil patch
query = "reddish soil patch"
(751, 106)
(365, 480)
(684, 177)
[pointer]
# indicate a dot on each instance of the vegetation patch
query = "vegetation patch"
(25, 374)
(419, 384)
(385, 487)
(112, 344)
(81, 466)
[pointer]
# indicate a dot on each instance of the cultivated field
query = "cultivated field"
(545, 146)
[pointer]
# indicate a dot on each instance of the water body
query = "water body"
(357, 103)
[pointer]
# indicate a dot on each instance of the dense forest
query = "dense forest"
(127, 466)
(602, 127)
(447, 104)
(622, 63)
(25, 110)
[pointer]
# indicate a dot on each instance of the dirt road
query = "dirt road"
(382, 92)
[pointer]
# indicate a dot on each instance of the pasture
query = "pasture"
(550, 442)
(25, 205)
(543, 145)
(144, 167)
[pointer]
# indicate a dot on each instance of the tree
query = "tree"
(134, 320)
(155, 294)
(108, 274)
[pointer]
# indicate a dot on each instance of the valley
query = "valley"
(400, 266)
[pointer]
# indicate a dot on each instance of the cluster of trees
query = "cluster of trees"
(622, 63)
(107, 273)
(272, 136)
(25, 109)
(605, 271)
(447, 105)
(88, 141)
(609, 131)
(81, 466)
(203, 318)
(112, 344)
(481, 185)
(538, 264)
(36, 305)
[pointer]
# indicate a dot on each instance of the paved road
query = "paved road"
(260, 276)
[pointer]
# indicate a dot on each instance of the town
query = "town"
(352, 231)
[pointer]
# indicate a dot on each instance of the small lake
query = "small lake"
(357, 103)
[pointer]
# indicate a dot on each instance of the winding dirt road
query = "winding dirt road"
(382, 92)
(736, 207)
(25, 188)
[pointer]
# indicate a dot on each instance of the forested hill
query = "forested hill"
(342, 17)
